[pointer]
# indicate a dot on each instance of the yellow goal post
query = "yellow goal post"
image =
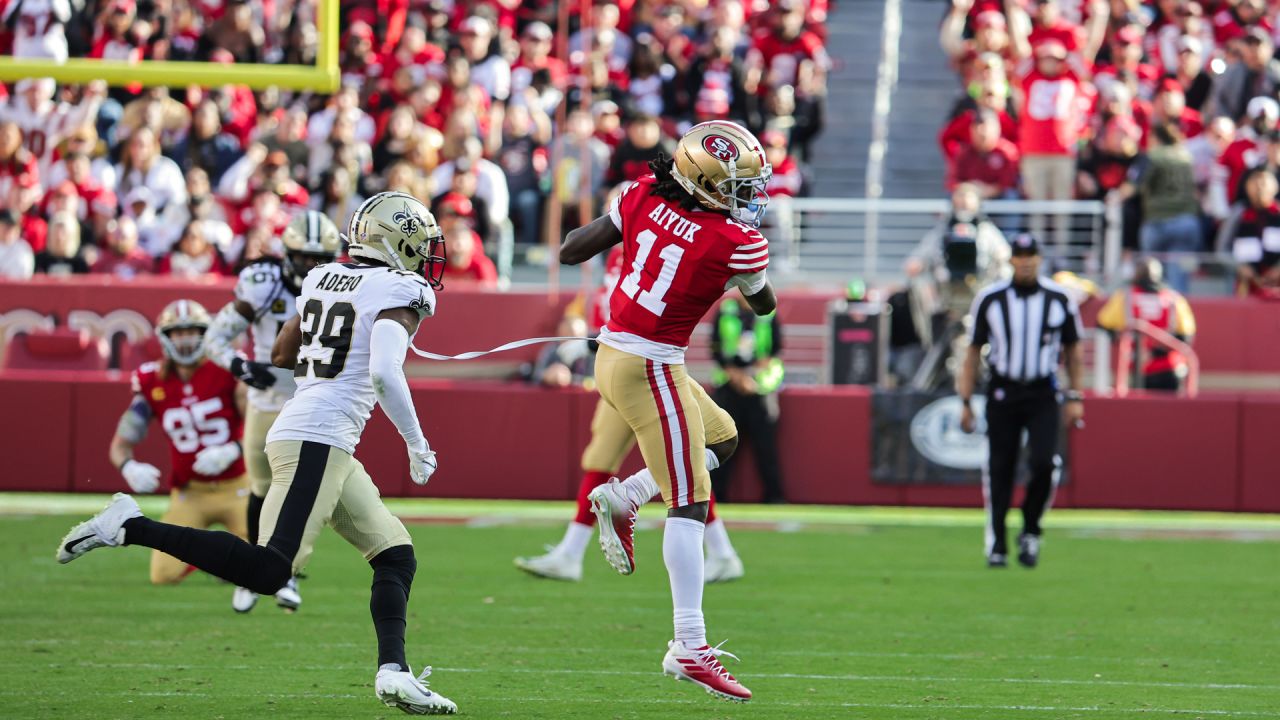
(322, 77)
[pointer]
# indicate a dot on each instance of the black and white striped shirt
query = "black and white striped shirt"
(1025, 327)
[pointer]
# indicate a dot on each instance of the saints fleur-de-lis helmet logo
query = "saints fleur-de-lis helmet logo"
(407, 221)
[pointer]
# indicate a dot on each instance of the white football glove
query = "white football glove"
(142, 477)
(212, 461)
(422, 465)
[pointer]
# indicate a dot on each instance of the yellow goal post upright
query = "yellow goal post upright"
(323, 77)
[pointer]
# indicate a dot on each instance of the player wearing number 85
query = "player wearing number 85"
(200, 406)
(347, 347)
(688, 234)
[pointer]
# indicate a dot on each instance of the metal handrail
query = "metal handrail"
(1124, 360)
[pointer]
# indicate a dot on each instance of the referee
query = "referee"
(1029, 322)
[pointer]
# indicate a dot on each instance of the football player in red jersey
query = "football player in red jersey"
(611, 442)
(201, 408)
(688, 234)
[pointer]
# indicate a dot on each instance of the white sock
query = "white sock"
(717, 540)
(713, 462)
(640, 488)
(576, 537)
(682, 553)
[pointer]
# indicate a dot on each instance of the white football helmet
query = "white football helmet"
(395, 228)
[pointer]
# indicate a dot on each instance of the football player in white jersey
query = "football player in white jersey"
(347, 347)
(266, 292)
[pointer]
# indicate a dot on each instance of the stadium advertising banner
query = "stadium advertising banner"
(916, 440)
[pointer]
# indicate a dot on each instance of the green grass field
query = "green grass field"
(843, 614)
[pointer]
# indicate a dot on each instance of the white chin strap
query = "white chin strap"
(393, 257)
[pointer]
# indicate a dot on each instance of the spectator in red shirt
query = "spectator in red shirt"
(1248, 150)
(1127, 57)
(122, 256)
(787, 52)
(1236, 18)
(988, 161)
(1170, 106)
(535, 55)
(467, 262)
(956, 133)
(1051, 96)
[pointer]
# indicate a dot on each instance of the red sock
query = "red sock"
(590, 481)
(711, 508)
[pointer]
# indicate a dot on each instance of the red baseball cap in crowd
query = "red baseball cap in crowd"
(1169, 85)
(773, 138)
(989, 19)
(455, 204)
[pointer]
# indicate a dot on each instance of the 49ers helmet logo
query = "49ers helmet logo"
(720, 148)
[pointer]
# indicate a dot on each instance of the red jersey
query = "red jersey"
(1051, 117)
(676, 265)
(1236, 160)
(780, 59)
(197, 414)
(998, 167)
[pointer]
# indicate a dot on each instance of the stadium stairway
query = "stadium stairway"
(925, 89)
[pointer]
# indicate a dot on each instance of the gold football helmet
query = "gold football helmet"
(186, 349)
(311, 239)
(722, 165)
(397, 229)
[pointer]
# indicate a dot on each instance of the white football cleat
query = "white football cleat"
(702, 666)
(243, 600)
(288, 598)
(400, 689)
(554, 565)
(616, 519)
(106, 529)
(722, 568)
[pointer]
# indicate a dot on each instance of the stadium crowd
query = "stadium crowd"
(454, 102)
(1167, 106)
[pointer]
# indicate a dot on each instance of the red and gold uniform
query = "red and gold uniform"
(676, 265)
(194, 414)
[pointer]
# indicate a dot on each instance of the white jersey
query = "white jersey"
(45, 127)
(338, 305)
(261, 286)
(38, 28)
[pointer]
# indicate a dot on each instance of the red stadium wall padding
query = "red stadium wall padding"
(825, 435)
(497, 441)
(33, 432)
(1259, 466)
(1162, 453)
(515, 441)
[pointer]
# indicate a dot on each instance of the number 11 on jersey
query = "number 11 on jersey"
(670, 255)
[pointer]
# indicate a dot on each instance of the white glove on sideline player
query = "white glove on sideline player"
(213, 460)
(422, 465)
(142, 477)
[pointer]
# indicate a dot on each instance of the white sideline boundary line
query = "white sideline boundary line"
(698, 700)
(754, 676)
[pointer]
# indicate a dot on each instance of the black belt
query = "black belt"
(1043, 383)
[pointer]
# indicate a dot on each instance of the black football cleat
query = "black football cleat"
(1028, 550)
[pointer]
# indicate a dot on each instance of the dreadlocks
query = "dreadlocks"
(667, 188)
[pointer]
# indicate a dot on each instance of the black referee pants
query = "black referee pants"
(751, 415)
(1010, 411)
